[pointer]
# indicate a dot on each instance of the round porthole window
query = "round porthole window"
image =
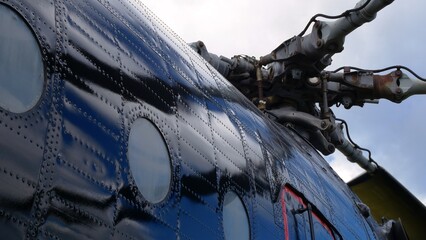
(21, 65)
(235, 220)
(149, 161)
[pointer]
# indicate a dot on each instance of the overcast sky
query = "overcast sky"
(395, 133)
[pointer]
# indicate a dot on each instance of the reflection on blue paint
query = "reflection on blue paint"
(149, 161)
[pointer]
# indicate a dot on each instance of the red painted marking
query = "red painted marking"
(300, 200)
(284, 215)
(294, 195)
(324, 225)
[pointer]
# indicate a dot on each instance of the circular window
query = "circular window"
(21, 65)
(235, 220)
(149, 160)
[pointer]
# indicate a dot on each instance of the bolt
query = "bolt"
(317, 24)
(323, 124)
(313, 81)
(398, 91)
(319, 43)
(398, 73)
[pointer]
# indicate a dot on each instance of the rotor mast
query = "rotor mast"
(290, 82)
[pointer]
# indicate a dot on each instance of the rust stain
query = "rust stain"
(384, 85)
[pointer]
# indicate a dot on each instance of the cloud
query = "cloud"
(423, 200)
(240, 26)
(346, 170)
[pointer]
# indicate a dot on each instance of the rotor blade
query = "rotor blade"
(388, 198)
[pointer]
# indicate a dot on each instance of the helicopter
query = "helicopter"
(112, 127)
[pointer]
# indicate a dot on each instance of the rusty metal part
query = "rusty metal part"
(387, 86)
(363, 86)
(312, 53)
(397, 86)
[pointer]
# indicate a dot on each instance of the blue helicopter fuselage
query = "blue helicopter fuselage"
(64, 164)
